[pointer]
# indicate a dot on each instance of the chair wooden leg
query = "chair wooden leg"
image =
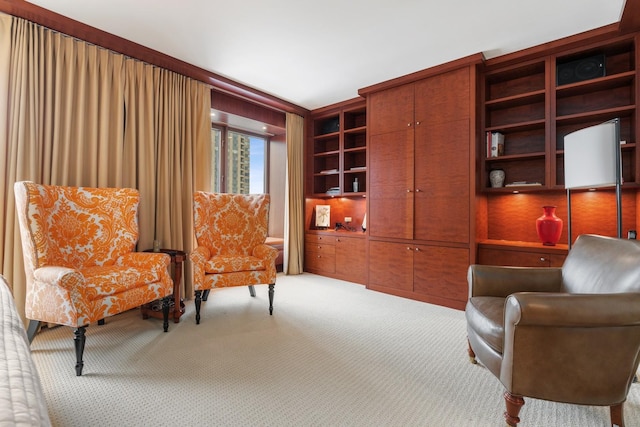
(617, 415)
(101, 322)
(271, 291)
(79, 339)
(165, 313)
(472, 355)
(252, 291)
(205, 294)
(513, 403)
(198, 303)
(32, 330)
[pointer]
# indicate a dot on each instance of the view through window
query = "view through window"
(239, 162)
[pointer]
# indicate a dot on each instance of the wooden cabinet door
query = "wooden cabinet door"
(391, 160)
(391, 265)
(442, 151)
(390, 110)
(441, 272)
(442, 182)
(351, 259)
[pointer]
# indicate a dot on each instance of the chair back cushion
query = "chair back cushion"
(599, 264)
(77, 227)
(230, 224)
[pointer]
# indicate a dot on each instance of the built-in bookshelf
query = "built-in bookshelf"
(528, 104)
(338, 147)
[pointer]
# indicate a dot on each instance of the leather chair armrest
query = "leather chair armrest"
(572, 310)
(580, 348)
(498, 281)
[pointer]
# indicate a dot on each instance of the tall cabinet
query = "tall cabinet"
(421, 180)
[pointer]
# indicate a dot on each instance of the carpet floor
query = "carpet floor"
(332, 354)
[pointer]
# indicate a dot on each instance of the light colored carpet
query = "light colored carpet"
(332, 354)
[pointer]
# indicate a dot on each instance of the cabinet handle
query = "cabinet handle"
(418, 190)
(338, 239)
(409, 249)
(542, 259)
(409, 124)
(319, 246)
(417, 249)
(319, 256)
(417, 123)
(408, 190)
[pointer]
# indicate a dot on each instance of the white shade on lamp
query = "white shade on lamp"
(592, 160)
(590, 157)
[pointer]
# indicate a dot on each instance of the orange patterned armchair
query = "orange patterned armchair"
(231, 230)
(78, 245)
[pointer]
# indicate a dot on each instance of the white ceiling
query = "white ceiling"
(317, 52)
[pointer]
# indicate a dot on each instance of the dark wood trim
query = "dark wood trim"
(630, 20)
(474, 59)
(73, 28)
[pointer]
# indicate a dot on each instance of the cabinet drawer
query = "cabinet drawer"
(320, 261)
(315, 239)
(489, 256)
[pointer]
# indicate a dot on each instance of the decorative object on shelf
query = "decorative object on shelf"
(495, 144)
(549, 226)
(496, 177)
(323, 216)
(592, 159)
(333, 191)
(364, 223)
(355, 185)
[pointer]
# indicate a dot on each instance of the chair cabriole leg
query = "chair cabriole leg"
(513, 403)
(617, 415)
(165, 313)
(79, 339)
(33, 329)
(252, 291)
(271, 291)
(198, 303)
(472, 355)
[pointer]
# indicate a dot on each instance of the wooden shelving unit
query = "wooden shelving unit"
(338, 144)
(524, 103)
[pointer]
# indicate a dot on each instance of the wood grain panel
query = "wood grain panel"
(351, 259)
(442, 206)
(391, 158)
(390, 110)
(391, 265)
(441, 271)
(513, 216)
(442, 98)
(488, 256)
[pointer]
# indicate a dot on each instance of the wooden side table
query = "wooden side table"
(176, 309)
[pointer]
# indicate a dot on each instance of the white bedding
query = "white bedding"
(22, 402)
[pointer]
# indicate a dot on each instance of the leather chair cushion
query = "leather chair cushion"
(485, 315)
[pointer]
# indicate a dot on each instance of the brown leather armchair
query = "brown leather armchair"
(569, 334)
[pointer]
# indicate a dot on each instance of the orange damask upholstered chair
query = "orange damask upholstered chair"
(231, 230)
(78, 245)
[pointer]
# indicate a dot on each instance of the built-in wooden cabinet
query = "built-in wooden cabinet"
(534, 110)
(337, 254)
(420, 163)
(421, 175)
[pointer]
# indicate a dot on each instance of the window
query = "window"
(242, 157)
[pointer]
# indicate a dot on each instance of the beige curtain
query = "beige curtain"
(80, 115)
(294, 198)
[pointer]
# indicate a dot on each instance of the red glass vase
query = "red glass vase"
(549, 226)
